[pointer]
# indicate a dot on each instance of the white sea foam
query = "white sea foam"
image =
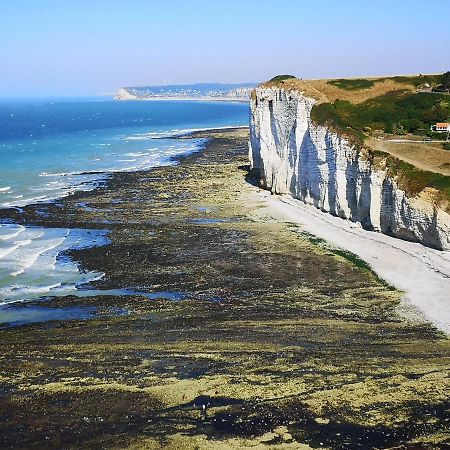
(12, 248)
(5, 189)
(31, 268)
(26, 290)
(175, 133)
(139, 153)
(30, 257)
(47, 174)
(5, 231)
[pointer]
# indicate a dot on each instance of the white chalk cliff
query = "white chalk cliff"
(123, 94)
(314, 164)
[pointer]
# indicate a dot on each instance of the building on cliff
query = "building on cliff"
(442, 127)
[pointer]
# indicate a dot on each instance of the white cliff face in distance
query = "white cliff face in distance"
(123, 94)
(314, 164)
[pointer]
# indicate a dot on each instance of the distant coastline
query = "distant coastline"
(190, 99)
(193, 92)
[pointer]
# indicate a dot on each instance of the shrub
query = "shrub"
(437, 136)
(352, 85)
(413, 180)
(326, 114)
(279, 78)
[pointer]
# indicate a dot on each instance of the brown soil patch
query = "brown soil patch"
(430, 157)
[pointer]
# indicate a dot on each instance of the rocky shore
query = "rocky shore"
(227, 330)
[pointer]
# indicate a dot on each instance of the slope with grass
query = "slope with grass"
(310, 139)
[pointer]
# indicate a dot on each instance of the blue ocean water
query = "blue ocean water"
(46, 147)
(49, 149)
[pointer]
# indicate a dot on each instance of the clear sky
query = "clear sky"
(73, 47)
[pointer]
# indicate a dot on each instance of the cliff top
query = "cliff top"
(354, 90)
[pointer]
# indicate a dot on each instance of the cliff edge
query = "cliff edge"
(322, 167)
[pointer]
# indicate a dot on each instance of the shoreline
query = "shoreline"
(215, 303)
(103, 175)
(422, 273)
(188, 99)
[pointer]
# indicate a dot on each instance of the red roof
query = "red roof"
(442, 125)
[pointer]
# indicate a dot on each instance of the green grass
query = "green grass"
(397, 112)
(327, 114)
(322, 243)
(352, 85)
(419, 80)
(279, 78)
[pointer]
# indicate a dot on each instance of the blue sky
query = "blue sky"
(76, 47)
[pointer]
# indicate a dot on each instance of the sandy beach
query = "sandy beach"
(422, 273)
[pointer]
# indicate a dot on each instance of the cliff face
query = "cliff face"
(123, 94)
(314, 164)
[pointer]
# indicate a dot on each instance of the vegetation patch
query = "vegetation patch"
(352, 85)
(352, 258)
(397, 112)
(279, 78)
(419, 80)
(413, 180)
(326, 114)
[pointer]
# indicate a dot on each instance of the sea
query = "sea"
(50, 148)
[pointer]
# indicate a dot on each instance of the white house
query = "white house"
(441, 127)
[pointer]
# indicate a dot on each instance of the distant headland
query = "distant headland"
(199, 91)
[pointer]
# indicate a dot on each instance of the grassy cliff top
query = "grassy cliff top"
(354, 90)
